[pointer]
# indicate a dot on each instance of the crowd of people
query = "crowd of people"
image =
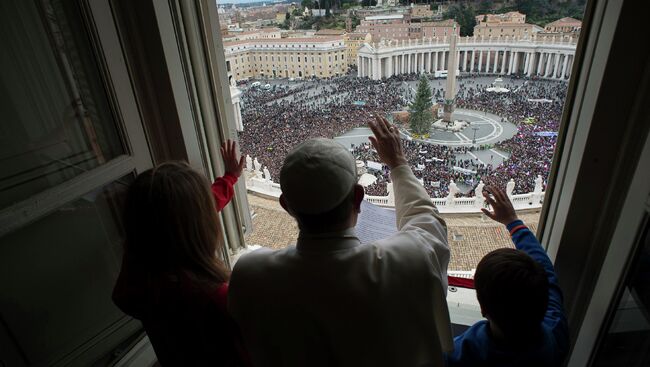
(283, 118)
(277, 120)
(432, 165)
(536, 109)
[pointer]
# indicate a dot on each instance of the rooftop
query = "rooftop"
(565, 21)
(284, 40)
(357, 35)
(330, 32)
(385, 17)
(441, 23)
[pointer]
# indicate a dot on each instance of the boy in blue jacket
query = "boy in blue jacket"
(520, 297)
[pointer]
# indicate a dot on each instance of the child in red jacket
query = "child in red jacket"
(171, 278)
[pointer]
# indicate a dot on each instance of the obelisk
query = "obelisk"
(450, 90)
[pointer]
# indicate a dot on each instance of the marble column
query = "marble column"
(496, 62)
(515, 63)
(510, 63)
(435, 61)
(389, 66)
(422, 69)
(503, 63)
(360, 66)
(526, 63)
(464, 65)
(549, 59)
(556, 65)
(365, 66)
(564, 65)
(471, 62)
(368, 68)
(480, 61)
(540, 63)
(488, 61)
(408, 63)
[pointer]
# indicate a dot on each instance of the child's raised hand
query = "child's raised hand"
(503, 212)
(233, 165)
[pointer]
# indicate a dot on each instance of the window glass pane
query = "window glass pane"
(57, 275)
(491, 117)
(627, 339)
(56, 118)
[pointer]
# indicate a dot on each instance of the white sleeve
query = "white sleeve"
(416, 214)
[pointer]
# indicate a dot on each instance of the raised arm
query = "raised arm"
(222, 187)
(525, 240)
(411, 198)
(414, 209)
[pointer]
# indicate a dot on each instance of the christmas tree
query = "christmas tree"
(421, 116)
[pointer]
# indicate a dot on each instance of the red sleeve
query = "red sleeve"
(460, 282)
(223, 190)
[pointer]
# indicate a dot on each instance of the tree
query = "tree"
(465, 17)
(307, 4)
(287, 22)
(420, 110)
(485, 6)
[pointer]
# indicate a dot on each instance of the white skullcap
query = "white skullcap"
(317, 175)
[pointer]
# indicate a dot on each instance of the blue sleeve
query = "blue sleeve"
(555, 319)
(471, 348)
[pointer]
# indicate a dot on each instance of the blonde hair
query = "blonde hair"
(171, 223)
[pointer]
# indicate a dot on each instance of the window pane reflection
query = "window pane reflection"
(627, 340)
(57, 275)
(56, 119)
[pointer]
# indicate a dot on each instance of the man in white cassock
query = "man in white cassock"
(331, 300)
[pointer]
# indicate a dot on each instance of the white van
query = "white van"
(267, 86)
(256, 84)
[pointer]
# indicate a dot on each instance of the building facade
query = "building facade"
(264, 33)
(320, 57)
(396, 31)
(564, 25)
(538, 57)
(509, 17)
(353, 42)
(434, 29)
(421, 11)
(511, 24)
(386, 19)
(408, 30)
(518, 30)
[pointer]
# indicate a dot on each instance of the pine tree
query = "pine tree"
(421, 116)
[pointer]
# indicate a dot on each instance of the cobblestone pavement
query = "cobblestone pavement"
(470, 236)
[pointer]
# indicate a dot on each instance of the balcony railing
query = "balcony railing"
(261, 183)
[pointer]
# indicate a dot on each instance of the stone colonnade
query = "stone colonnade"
(552, 61)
